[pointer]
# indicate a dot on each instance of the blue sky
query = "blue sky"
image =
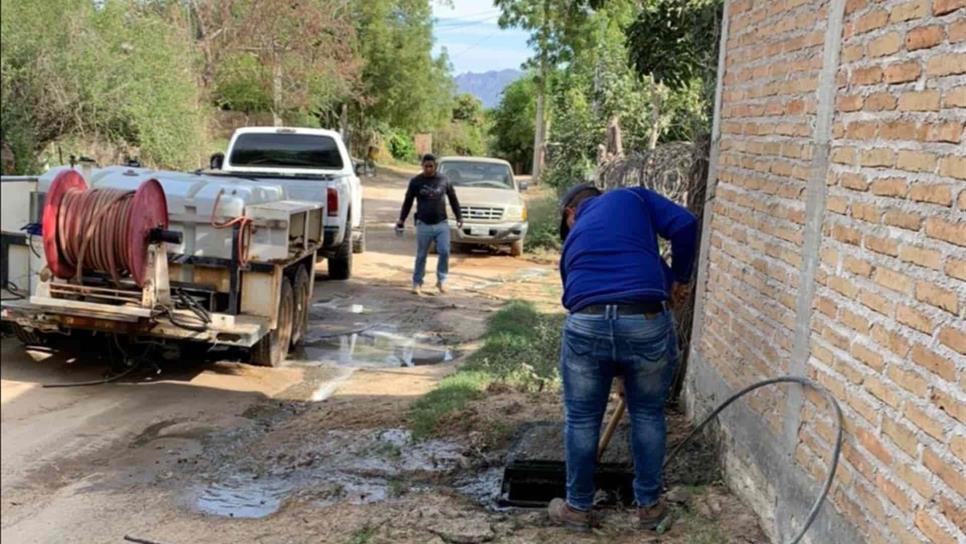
(468, 30)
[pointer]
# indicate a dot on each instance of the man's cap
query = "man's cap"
(428, 157)
(568, 199)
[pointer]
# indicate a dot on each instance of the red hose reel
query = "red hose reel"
(101, 229)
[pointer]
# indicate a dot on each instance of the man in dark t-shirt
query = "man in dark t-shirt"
(430, 190)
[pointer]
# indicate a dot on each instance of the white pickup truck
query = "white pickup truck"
(311, 165)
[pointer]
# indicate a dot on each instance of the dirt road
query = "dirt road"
(219, 451)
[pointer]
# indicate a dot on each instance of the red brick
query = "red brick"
(892, 280)
(858, 266)
(846, 234)
(856, 182)
(924, 37)
(917, 481)
(956, 268)
(902, 72)
(843, 155)
(855, 321)
(871, 21)
(884, 101)
(957, 31)
(949, 404)
(950, 132)
(878, 157)
(942, 7)
(866, 212)
(877, 303)
(954, 511)
(889, 187)
(923, 257)
(882, 391)
(914, 318)
(953, 166)
(837, 204)
(947, 64)
(871, 359)
(932, 529)
(903, 436)
(885, 246)
(953, 98)
(885, 45)
(850, 102)
(905, 220)
(910, 381)
(946, 472)
(902, 130)
(873, 445)
(939, 228)
(916, 161)
(910, 10)
(933, 362)
(900, 534)
(851, 6)
(866, 76)
(954, 338)
(937, 296)
(920, 418)
(895, 495)
(919, 101)
(958, 445)
(935, 194)
(860, 131)
(852, 53)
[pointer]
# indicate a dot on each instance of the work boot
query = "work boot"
(442, 288)
(650, 517)
(417, 290)
(562, 514)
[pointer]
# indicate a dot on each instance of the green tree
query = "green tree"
(511, 132)
(112, 72)
(463, 134)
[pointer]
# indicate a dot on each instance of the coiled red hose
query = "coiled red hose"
(92, 231)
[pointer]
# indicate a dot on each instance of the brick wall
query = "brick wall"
(835, 248)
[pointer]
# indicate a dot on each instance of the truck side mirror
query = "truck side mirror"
(523, 185)
(216, 161)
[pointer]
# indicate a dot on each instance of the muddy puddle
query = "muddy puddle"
(355, 467)
(374, 346)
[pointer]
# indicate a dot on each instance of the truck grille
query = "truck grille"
(481, 213)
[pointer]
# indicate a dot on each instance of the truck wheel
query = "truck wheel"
(273, 347)
(516, 248)
(300, 319)
(340, 264)
(359, 246)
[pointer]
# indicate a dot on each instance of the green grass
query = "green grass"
(520, 348)
(363, 535)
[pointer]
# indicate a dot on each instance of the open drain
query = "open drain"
(376, 347)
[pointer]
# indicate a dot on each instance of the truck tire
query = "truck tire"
(273, 347)
(340, 264)
(301, 291)
(359, 246)
(516, 248)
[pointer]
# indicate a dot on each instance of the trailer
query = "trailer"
(161, 256)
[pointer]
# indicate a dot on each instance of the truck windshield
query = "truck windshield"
(477, 174)
(286, 151)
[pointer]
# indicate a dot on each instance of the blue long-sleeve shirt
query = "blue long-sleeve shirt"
(611, 255)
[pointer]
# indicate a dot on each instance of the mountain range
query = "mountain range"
(487, 86)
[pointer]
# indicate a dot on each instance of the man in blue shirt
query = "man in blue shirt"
(617, 290)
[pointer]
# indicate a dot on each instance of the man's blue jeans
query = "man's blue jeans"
(595, 349)
(425, 235)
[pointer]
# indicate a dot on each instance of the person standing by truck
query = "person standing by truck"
(430, 190)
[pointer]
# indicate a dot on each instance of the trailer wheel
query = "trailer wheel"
(340, 264)
(300, 318)
(273, 347)
(29, 337)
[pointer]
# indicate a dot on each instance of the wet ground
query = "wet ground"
(218, 451)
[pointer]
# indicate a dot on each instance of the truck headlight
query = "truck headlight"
(516, 213)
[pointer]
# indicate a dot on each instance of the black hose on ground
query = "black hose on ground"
(836, 451)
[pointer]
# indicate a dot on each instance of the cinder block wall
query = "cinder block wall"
(834, 247)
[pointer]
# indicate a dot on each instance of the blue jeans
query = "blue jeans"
(594, 350)
(425, 235)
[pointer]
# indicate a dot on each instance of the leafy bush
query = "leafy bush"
(544, 225)
(401, 146)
